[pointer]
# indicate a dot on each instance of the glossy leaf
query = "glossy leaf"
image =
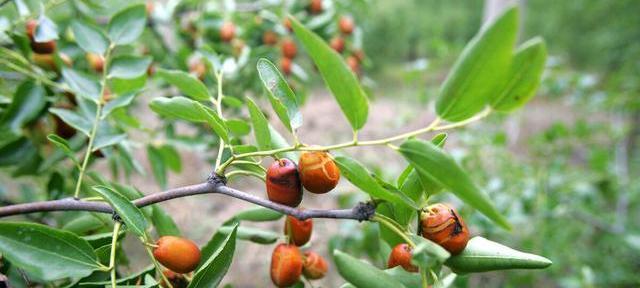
(210, 274)
(163, 222)
(129, 66)
(282, 98)
(129, 213)
(479, 70)
(127, 25)
(187, 109)
(337, 76)
(434, 164)
(258, 214)
(358, 175)
(483, 255)
(362, 274)
(524, 76)
(186, 83)
(89, 37)
(28, 101)
(260, 125)
(254, 235)
(74, 119)
(82, 84)
(47, 253)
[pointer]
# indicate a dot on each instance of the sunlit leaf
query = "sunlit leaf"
(282, 98)
(129, 213)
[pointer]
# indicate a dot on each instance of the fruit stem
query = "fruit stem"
(112, 258)
(389, 224)
(244, 172)
(218, 104)
(423, 275)
(153, 260)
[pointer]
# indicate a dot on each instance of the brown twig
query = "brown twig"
(214, 185)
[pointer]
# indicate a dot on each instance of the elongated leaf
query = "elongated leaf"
(426, 254)
(238, 127)
(118, 102)
(483, 255)
(73, 119)
(210, 274)
(82, 84)
(157, 166)
(127, 25)
(258, 214)
(362, 274)
(27, 103)
(186, 83)
(260, 125)
(87, 223)
(337, 76)
(478, 72)
(434, 164)
(89, 37)
(171, 157)
(47, 253)
(129, 66)
(524, 76)
(282, 98)
(361, 178)
(277, 141)
(105, 140)
(408, 279)
(129, 213)
(164, 224)
(187, 109)
(254, 235)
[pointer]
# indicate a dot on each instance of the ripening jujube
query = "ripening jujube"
(315, 266)
(318, 172)
(286, 265)
(177, 254)
(401, 256)
(46, 47)
(299, 231)
(442, 225)
(227, 31)
(289, 48)
(283, 183)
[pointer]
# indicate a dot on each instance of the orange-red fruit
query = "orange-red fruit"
(401, 256)
(287, 24)
(299, 231)
(176, 280)
(269, 38)
(286, 265)
(285, 65)
(45, 61)
(38, 47)
(318, 172)
(198, 69)
(315, 6)
(442, 224)
(346, 25)
(283, 183)
(337, 43)
(227, 31)
(177, 254)
(149, 6)
(315, 266)
(289, 48)
(354, 64)
(96, 62)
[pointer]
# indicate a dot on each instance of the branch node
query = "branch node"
(364, 211)
(217, 179)
(116, 217)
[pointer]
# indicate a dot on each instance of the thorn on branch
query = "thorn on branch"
(364, 211)
(216, 179)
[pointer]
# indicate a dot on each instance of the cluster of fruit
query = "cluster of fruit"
(44, 51)
(439, 223)
(319, 174)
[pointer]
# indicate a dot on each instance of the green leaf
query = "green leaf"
(210, 274)
(105, 140)
(277, 142)
(119, 102)
(238, 127)
(260, 125)
(46, 253)
(362, 274)
(524, 76)
(157, 166)
(258, 214)
(165, 226)
(129, 213)
(127, 25)
(82, 84)
(187, 109)
(74, 119)
(87, 223)
(337, 76)
(426, 254)
(186, 83)
(358, 175)
(478, 72)
(89, 37)
(483, 255)
(282, 98)
(408, 279)
(129, 66)
(254, 235)
(171, 157)
(27, 103)
(434, 164)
